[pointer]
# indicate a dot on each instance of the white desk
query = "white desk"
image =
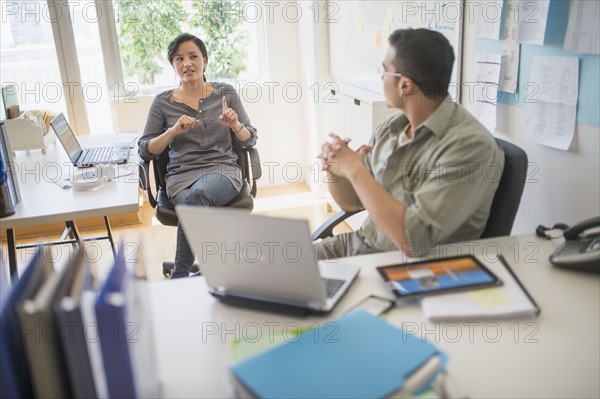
(554, 355)
(43, 201)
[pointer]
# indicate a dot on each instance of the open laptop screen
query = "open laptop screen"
(67, 137)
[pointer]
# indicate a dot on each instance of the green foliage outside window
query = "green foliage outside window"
(151, 25)
(221, 20)
(145, 33)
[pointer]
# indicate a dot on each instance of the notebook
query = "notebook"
(363, 357)
(509, 301)
(258, 260)
(86, 157)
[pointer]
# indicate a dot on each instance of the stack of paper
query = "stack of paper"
(510, 300)
(362, 357)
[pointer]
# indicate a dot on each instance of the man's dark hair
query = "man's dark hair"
(426, 57)
(186, 37)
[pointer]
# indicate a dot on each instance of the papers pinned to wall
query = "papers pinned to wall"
(552, 111)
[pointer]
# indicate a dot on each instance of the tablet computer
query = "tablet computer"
(437, 276)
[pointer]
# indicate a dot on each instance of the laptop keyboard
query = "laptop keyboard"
(332, 286)
(97, 155)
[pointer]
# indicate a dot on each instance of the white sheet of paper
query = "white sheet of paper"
(533, 18)
(511, 21)
(552, 113)
(488, 21)
(487, 67)
(582, 31)
(510, 66)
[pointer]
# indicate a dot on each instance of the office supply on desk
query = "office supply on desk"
(14, 369)
(365, 358)
(43, 344)
(86, 157)
(73, 328)
(259, 260)
(128, 352)
(437, 276)
(30, 132)
(511, 300)
(581, 250)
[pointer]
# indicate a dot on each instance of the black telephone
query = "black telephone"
(581, 250)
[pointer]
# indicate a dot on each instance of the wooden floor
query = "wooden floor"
(149, 242)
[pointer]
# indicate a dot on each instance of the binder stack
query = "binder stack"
(60, 337)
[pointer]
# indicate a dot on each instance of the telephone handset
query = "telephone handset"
(581, 249)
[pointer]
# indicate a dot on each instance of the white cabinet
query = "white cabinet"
(354, 113)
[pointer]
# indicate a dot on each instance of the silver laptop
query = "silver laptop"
(261, 258)
(86, 157)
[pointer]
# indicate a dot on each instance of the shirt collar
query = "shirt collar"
(438, 121)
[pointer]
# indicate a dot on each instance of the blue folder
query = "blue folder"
(110, 316)
(355, 356)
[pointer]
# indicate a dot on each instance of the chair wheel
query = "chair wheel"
(166, 272)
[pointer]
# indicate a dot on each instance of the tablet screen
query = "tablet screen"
(436, 276)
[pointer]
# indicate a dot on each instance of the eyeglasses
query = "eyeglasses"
(382, 72)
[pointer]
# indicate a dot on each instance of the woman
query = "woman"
(195, 120)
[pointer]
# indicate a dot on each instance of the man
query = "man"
(429, 173)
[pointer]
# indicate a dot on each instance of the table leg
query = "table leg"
(12, 253)
(109, 236)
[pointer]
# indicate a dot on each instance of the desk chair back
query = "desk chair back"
(508, 195)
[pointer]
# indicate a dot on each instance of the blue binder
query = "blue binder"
(110, 316)
(355, 356)
(15, 376)
(68, 314)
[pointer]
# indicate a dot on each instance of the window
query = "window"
(51, 53)
(29, 60)
(145, 28)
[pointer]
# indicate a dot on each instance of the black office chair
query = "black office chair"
(249, 162)
(504, 206)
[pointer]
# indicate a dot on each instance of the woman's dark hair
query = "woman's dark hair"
(426, 57)
(186, 37)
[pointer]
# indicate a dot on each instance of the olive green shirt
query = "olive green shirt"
(446, 177)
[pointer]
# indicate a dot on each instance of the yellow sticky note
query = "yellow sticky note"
(489, 298)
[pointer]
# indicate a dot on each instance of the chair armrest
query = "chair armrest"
(254, 163)
(255, 168)
(326, 229)
(144, 179)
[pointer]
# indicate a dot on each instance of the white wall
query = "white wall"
(562, 186)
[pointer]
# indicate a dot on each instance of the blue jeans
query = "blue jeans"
(212, 189)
